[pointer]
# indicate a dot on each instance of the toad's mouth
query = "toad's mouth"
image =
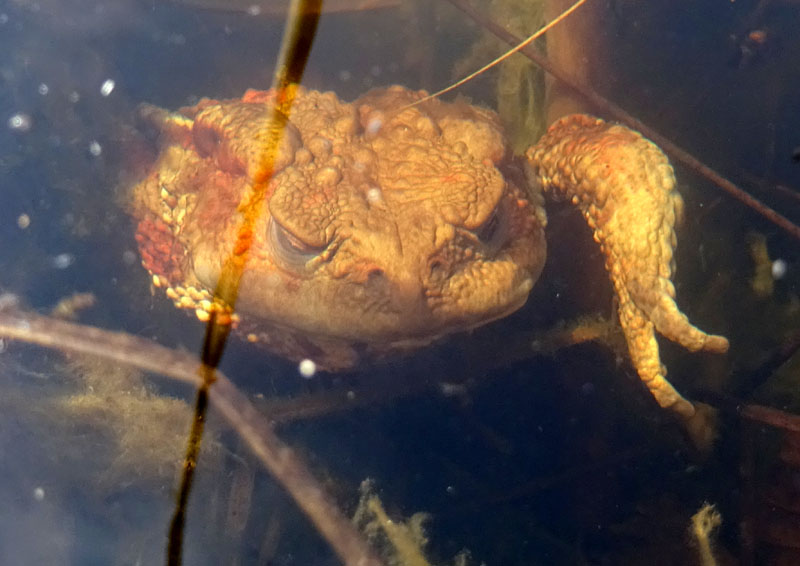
(520, 296)
(486, 299)
(433, 329)
(386, 312)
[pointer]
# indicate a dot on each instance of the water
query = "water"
(518, 456)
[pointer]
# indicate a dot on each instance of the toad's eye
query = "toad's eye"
(206, 139)
(494, 231)
(289, 250)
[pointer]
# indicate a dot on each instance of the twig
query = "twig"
(611, 109)
(277, 457)
(788, 191)
(772, 417)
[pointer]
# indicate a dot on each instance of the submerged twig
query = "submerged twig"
(285, 465)
(772, 417)
(611, 109)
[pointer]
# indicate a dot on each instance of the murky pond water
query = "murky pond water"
(521, 447)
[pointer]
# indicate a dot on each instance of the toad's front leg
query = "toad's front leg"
(625, 188)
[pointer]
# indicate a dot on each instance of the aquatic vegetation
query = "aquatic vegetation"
(144, 431)
(519, 85)
(402, 541)
(703, 527)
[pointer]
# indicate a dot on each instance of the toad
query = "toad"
(387, 226)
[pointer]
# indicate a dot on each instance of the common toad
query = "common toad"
(387, 226)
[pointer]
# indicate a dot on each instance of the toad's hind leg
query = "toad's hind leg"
(625, 188)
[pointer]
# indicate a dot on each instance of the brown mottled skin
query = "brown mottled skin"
(386, 227)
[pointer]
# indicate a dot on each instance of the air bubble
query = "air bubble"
(307, 368)
(779, 268)
(374, 195)
(95, 149)
(20, 122)
(63, 261)
(374, 125)
(107, 87)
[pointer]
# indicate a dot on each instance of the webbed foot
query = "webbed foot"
(625, 188)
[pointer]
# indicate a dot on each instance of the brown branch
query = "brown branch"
(278, 458)
(772, 417)
(611, 109)
(788, 191)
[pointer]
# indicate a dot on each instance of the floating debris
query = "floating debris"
(754, 47)
(69, 307)
(762, 282)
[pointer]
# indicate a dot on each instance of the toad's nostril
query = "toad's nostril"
(437, 270)
(375, 274)
(376, 281)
